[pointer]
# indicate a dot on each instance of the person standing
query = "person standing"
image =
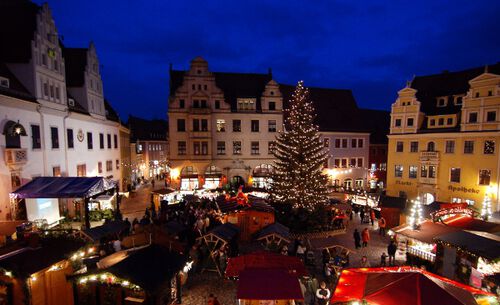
(365, 236)
(391, 250)
(357, 239)
(323, 294)
(362, 215)
(381, 226)
(364, 262)
(372, 216)
(383, 258)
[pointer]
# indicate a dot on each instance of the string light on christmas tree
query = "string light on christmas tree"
(486, 209)
(416, 213)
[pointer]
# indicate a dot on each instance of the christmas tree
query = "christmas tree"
(300, 155)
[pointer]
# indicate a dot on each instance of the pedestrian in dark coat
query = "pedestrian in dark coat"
(362, 214)
(357, 239)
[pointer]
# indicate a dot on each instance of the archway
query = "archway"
(213, 176)
(189, 178)
(427, 198)
(431, 146)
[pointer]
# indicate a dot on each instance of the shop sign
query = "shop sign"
(453, 211)
(403, 182)
(463, 189)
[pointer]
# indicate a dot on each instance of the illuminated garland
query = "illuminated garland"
(300, 155)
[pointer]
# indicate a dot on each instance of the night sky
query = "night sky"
(371, 48)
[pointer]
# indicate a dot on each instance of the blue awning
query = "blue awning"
(64, 187)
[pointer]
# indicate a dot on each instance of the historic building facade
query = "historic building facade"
(53, 117)
(444, 137)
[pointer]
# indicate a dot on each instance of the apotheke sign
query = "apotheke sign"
(463, 189)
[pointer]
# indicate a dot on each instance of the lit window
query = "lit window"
(484, 176)
(399, 146)
(236, 147)
(221, 148)
(412, 173)
(489, 147)
(181, 148)
(398, 171)
(221, 125)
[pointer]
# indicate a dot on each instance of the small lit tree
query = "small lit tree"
(416, 213)
(300, 156)
(486, 209)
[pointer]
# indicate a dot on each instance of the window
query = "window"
(458, 100)
(473, 117)
(412, 173)
(484, 176)
(246, 104)
(399, 146)
(490, 93)
(221, 147)
(455, 174)
(203, 103)
(271, 124)
(397, 123)
(441, 121)
(409, 122)
(449, 121)
(115, 141)
(491, 116)
(181, 125)
(255, 125)
(337, 143)
(109, 140)
(117, 164)
(217, 104)
(54, 136)
(489, 147)
(270, 147)
(193, 87)
(35, 137)
(236, 125)
(449, 147)
(4, 82)
(81, 170)
(51, 91)
(90, 142)
(431, 146)
(182, 103)
(344, 143)
(352, 162)
(423, 171)
(99, 167)
(468, 147)
(360, 162)
(432, 171)
(354, 143)
(326, 142)
(196, 104)
(196, 125)
(254, 150)
(204, 148)
(441, 102)
(236, 147)
(398, 171)
(221, 125)
(414, 146)
(181, 148)
(360, 143)
(69, 134)
(204, 125)
(56, 171)
(336, 162)
(101, 140)
(109, 165)
(272, 105)
(432, 122)
(344, 163)
(196, 148)
(58, 93)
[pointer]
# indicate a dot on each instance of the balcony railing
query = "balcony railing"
(429, 156)
(16, 156)
(200, 110)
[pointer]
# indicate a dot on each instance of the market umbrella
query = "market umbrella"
(402, 285)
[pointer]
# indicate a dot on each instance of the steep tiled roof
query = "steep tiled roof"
(377, 122)
(76, 107)
(111, 114)
(141, 129)
(16, 89)
(17, 26)
(234, 85)
(75, 60)
(446, 84)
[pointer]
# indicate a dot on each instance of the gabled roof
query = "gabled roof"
(265, 260)
(446, 84)
(76, 107)
(112, 228)
(17, 28)
(75, 60)
(265, 284)
(142, 129)
(111, 114)
(377, 122)
(485, 245)
(16, 88)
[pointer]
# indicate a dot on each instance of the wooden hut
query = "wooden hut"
(392, 209)
(274, 236)
(215, 239)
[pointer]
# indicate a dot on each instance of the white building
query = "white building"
(53, 117)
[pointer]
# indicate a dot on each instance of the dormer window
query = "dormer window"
(397, 123)
(441, 121)
(246, 104)
(432, 122)
(458, 100)
(473, 117)
(71, 102)
(441, 102)
(272, 92)
(409, 122)
(477, 94)
(490, 93)
(4, 82)
(272, 105)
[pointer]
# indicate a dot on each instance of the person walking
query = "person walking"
(323, 294)
(362, 215)
(357, 239)
(381, 226)
(391, 250)
(365, 236)
(372, 216)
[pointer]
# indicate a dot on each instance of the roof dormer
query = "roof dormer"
(199, 67)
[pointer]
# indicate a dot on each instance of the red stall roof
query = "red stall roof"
(265, 260)
(268, 284)
(402, 285)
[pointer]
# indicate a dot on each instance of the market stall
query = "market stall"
(217, 238)
(392, 208)
(265, 260)
(110, 230)
(404, 285)
(274, 236)
(41, 195)
(469, 256)
(166, 194)
(269, 287)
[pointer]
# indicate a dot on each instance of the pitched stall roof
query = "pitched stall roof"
(16, 88)
(109, 229)
(262, 284)
(17, 26)
(275, 228)
(446, 84)
(267, 261)
(147, 130)
(30, 260)
(225, 231)
(256, 204)
(64, 187)
(485, 245)
(428, 230)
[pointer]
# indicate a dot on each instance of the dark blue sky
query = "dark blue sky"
(371, 47)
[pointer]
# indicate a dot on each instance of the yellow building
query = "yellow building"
(443, 138)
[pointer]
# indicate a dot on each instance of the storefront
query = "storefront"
(262, 176)
(189, 178)
(213, 177)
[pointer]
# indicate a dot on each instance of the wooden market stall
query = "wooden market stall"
(265, 260)
(36, 274)
(217, 238)
(392, 208)
(274, 236)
